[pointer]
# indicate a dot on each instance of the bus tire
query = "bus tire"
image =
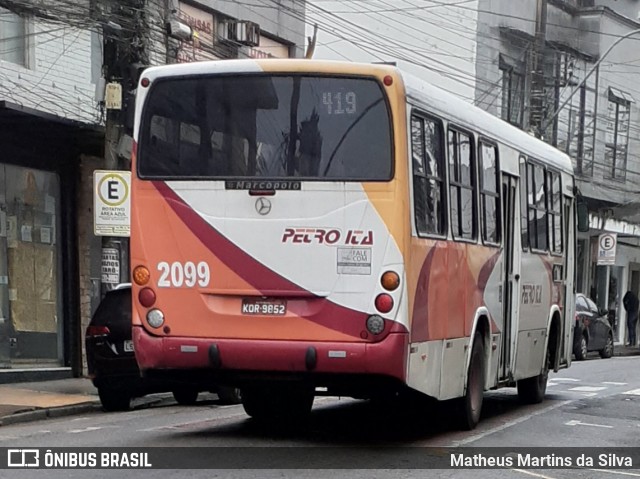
(186, 397)
(229, 395)
(532, 390)
(283, 404)
(470, 405)
(113, 399)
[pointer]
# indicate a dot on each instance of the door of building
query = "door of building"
(30, 273)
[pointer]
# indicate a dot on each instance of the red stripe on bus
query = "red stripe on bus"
(259, 276)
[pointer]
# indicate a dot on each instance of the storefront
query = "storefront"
(607, 284)
(30, 269)
(39, 300)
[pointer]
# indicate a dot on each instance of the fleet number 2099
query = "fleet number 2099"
(177, 274)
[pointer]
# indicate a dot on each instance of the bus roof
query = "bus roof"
(450, 106)
(440, 102)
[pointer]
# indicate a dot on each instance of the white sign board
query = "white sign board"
(607, 248)
(110, 266)
(111, 203)
(113, 96)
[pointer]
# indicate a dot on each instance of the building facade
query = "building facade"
(567, 73)
(49, 121)
(54, 63)
(433, 40)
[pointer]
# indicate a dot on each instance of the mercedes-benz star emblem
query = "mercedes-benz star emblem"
(263, 206)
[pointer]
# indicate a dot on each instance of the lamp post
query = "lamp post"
(586, 77)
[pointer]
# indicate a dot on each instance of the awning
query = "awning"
(620, 96)
(20, 121)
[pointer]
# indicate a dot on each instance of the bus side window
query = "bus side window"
(554, 194)
(489, 193)
(427, 155)
(462, 182)
(537, 207)
(524, 223)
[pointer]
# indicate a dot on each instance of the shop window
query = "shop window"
(29, 260)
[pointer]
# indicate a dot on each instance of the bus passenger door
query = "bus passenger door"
(510, 275)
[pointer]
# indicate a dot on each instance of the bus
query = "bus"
(304, 228)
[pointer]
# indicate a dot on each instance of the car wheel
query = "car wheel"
(581, 350)
(185, 397)
(114, 399)
(607, 351)
(532, 390)
(229, 395)
(470, 405)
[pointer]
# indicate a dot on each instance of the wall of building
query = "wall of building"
(628, 8)
(89, 246)
(282, 30)
(618, 70)
(437, 43)
(59, 77)
(284, 19)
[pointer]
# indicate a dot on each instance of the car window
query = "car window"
(592, 306)
(115, 305)
(581, 304)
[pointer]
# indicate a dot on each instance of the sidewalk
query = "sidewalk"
(620, 350)
(22, 402)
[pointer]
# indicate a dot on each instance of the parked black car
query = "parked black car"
(112, 364)
(593, 331)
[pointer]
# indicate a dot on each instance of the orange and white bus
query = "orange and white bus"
(302, 226)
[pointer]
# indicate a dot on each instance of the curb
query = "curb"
(39, 414)
(81, 408)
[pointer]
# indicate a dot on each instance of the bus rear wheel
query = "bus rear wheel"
(532, 390)
(186, 396)
(470, 405)
(284, 403)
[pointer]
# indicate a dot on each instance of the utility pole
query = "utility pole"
(125, 53)
(537, 103)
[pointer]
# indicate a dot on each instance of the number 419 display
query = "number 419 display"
(339, 103)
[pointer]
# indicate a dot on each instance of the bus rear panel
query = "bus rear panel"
(267, 211)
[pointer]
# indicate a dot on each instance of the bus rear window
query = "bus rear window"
(245, 126)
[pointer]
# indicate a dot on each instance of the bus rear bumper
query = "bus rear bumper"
(387, 357)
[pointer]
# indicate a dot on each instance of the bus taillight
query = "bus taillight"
(141, 275)
(390, 281)
(375, 324)
(147, 297)
(384, 303)
(155, 318)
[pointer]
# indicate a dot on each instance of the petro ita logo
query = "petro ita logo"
(23, 458)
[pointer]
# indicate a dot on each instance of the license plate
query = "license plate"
(128, 346)
(264, 307)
